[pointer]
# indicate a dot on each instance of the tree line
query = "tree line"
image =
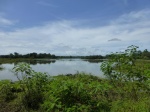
(29, 55)
(145, 54)
(47, 55)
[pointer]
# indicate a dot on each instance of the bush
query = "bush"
(130, 80)
(76, 94)
(33, 85)
(122, 67)
(6, 90)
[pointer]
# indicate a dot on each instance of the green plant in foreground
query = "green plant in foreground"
(75, 94)
(130, 106)
(6, 90)
(122, 70)
(32, 83)
(122, 66)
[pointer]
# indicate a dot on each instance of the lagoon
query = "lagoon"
(56, 67)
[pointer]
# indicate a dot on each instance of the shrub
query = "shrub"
(122, 67)
(130, 80)
(33, 85)
(6, 90)
(76, 94)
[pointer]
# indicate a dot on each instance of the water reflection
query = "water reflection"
(94, 60)
(35, 62)
(55, 67)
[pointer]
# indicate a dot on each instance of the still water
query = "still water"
(56, 67)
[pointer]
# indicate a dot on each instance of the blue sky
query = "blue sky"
(73, 27)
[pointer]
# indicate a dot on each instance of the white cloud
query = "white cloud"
(5, 22)
(64, 38)
(133, 17)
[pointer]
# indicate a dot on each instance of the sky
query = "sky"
(73, 27)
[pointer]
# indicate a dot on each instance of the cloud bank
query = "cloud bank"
(67, 37)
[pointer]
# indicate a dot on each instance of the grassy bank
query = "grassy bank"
(72, 93)
(13, 60)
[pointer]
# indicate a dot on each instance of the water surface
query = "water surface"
(56, 67)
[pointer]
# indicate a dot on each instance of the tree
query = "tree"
(121, 66)
(16, 55)
(146, 54)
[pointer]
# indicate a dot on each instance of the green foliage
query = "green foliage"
(130, 79)
(130, 106)
(122, 66)
(76, 94)
(125, 88)
(6, 90)
(145, 54)
(29, 55)
(32, 83)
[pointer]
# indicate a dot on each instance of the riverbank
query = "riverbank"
(79, 92)
(14, 60)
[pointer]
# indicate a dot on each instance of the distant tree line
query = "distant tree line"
(94, 57)
(145, 54)
(29, 55)
(45, 55)
(83, 57)
(140, 54)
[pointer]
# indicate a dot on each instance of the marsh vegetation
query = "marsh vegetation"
(126, 88)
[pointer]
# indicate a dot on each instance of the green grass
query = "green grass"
(75, 93)
(13, 60)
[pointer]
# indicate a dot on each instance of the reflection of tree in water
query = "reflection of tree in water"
(45, 62)
(94, 61)
(35, 62)
(1, 67)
